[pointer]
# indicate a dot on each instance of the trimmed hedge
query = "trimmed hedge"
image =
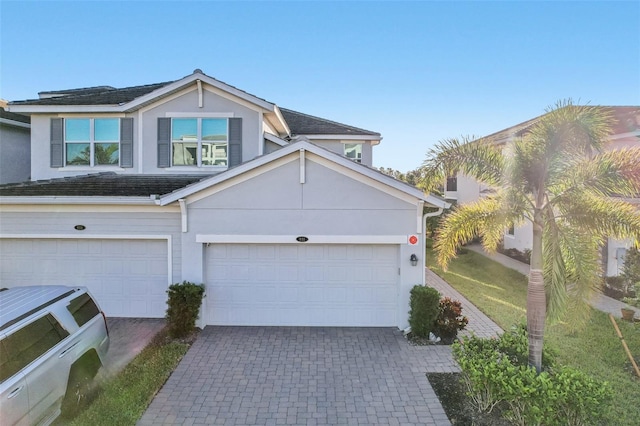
(424, 304)
(183, 306)
(496, 374)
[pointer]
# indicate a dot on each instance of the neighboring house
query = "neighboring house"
(136, 188)
(15, 162)
(626, 133)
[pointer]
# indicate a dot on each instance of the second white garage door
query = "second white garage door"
(127, 277)
(301, 285)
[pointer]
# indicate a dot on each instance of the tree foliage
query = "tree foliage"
(559, 176)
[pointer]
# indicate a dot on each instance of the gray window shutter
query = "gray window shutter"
(126, 142)
(235, 141)
(164, 142)
(57, 143)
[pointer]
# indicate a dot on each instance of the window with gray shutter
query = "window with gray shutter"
(164, 142)
(235, 141)
(126, 142)
(57, 144)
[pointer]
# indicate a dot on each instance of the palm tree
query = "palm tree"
(560, 177)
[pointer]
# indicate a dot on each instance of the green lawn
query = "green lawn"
(500, 293)
(123, 399)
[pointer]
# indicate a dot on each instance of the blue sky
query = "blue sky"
(417, 72)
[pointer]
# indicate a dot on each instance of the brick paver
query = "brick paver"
(302, 376)
(479, 323)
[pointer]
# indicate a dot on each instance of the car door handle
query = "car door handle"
(63, 353)
(15, 392)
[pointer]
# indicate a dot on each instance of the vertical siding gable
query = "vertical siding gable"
(126, 142)
(57, 143)
(235, 141)
(164, 142)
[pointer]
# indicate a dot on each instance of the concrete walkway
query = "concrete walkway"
(600, 302)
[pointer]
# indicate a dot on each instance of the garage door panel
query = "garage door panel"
(127, 277)
(316, 285)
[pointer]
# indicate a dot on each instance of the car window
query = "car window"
(83, 308)
(27, 344)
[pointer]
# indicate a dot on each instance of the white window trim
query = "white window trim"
(198, 166)
(92, 142)
(344, 151)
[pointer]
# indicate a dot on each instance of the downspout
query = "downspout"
(183, 214)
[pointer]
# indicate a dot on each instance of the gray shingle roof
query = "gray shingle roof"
(108, 184)
(304, 124)
(14, 117)
(102, 95)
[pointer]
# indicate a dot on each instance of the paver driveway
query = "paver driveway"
(302, 376)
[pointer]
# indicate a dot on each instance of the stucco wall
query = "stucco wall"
(15, 152)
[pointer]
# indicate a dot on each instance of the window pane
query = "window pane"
(184, 154)
(78, 154)
(83, 309)
(76, 129)
(106, 153)
(353, 151)
(214, 129)
(106, 129)
(214, 154)
(184, 129)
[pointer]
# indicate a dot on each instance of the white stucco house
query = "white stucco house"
(279, 213)
(626, 133)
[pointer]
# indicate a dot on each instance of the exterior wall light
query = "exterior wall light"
(414, 260)
(79, 227)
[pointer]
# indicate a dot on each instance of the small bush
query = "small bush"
(424, 302)
(496, 374)
(449, 320)
(184, 304)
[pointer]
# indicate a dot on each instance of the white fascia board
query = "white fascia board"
(321, 152)
(77, 200)
(14, 123)
(282, 121)
(88, 208)
(345, 137)
(177, 85)
(272, 138)
(291, 239)
(61, 109)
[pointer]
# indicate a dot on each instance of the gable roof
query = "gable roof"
(296, 147)
(167, 189)
(108, 98)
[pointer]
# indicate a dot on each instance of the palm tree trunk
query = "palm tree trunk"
(536, 299)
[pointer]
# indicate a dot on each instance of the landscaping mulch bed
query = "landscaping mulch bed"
(451, 392)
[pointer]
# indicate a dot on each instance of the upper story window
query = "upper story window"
(452, 184)
(353, 151)
(92, 141)
(199, 141)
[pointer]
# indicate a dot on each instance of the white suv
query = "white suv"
(52, 340)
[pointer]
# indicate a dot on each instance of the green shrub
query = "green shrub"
(496, 374)
(183, 307)
(449, 320)
(424, 302)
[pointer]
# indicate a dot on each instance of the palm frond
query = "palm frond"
(554, 267)
(609, 173)
(464, 224)
(600, 216)
(478, 159)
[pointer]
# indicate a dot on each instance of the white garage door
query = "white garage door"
(128, 277)
(302, 285)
